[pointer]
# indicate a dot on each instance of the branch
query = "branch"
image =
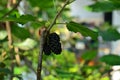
(58, 14)
(10, 48)
(42, 41)
(11, 9)
(44, 33)
(9, 34)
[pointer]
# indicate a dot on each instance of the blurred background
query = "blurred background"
(82, 58)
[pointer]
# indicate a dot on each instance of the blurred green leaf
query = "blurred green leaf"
(44, 4)
(89, 55)
(22, 19)
(5, 70)
(75, 27)
(3, 34)
(2, 11)
(20, 32)
(68, 75)
(111, 59)
(36, 25)
(110, 34)
(64, 55)
(104, 6)
(27, 44)
(105, 78)
(2, 65)
(20, 70)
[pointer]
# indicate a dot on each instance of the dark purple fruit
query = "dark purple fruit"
(54, 43)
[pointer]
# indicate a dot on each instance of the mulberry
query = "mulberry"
(54, 36)
(54, 43)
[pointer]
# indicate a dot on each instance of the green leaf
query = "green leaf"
(36, 25)
(27, 44)
(104, 6)
(75, 27)
(110, 34)
(111, 59)
(44, 4)
(5, 70)
(22, 19)
(66, 74)
(89, 55)
(3, 34)
(20, 32)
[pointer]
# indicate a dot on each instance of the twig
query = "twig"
(44, 33)
(42, 41)
(9, 34)
(10, 37)
(60, 23)
(12, 9)
(10, 48)
(58, 14)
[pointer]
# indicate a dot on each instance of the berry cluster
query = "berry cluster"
(52, 44)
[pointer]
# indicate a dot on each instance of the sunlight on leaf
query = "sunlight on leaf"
(27, 44)
(3, 34)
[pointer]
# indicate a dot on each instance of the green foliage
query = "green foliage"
(20, 32)
(104, 6)
(22, 19)
(2, 65)
(5, 70)
(41, 4)
(66, 66)
(110, 34)
(89, 55)
(3, 34)
(111, 59)
(37, 24)
(62, 71)
(75, 27)
(26, 45)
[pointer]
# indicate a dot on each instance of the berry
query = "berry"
(54, 36)
(54, 43)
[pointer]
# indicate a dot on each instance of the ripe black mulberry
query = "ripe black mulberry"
(54, 43)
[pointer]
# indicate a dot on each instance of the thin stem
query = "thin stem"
(11, 9)
(8, 28)
(42, 41)
(10, 48)
(58, 14)
(60, 23)
(9, 34)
